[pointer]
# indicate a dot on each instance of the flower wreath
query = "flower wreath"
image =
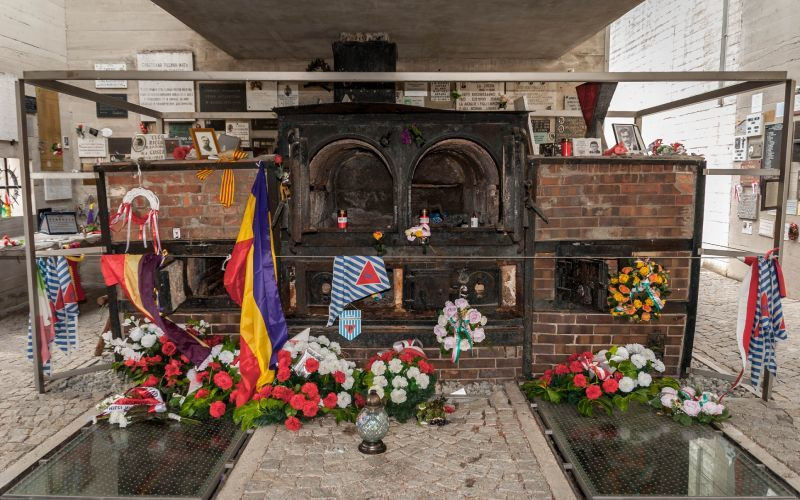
(126, 216)
(639, 292)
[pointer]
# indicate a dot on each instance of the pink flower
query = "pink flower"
(691, 407)
(474, 316)
(667, 399)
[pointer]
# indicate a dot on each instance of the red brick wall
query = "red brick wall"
(615, 200)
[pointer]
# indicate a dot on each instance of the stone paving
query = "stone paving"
(26, 417)
(482, 453)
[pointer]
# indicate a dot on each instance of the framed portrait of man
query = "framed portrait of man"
(630, 137)
(205, 142)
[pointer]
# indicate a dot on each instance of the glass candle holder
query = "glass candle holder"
(372, 425)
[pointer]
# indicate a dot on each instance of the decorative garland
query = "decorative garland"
(126, 216)
(639, 292)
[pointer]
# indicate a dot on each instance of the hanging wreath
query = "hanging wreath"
(639, 292)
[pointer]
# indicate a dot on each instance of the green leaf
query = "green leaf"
(553, 396)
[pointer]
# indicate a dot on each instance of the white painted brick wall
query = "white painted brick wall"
(683, 35)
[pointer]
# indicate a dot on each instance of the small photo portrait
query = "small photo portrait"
(629, 136)
(205, 142)
(256, 85)
(586, 147)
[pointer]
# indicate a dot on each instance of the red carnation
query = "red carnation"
(546, 379)
(576, 367)
(407, 357)
(282, 393)
(359, 399)
(618, 375)
(425, 367)
(330, 400)
(162, 339)
(150, 381)
(155, 359)
(297, 402)
(312, 365)
(184, 358)
(610, 385)
(387, 355)
(214, 366)
(449, 408)
(593, 392)
(283, 374)
(130, 362)
(587, 355)
(217, 409)
(201, 393)
(339, 377)
(168, 348)
(200, 376)
(223, 380)
(213, 340)
(265, 391)
(310, 389)
(579, 380)
(293, 424)
(173, 368)
(310, 409)
(562, 369)
(573, 356)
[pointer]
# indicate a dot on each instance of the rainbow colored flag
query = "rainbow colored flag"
(136, 274)
(252, 282)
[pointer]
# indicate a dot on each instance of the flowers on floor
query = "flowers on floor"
(688, 405)
(211, 390)
(434, 412)
(459, 327)
(311, 380)
(639, 292)
(609, 379)
(136, 405)
(403, 378)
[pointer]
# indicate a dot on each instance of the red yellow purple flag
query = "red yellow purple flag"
(251, 280)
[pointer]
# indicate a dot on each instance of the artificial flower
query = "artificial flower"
(398, 396)
(217, 409)
(312, 365)
(378, 368)
(627, 384)
(310, 389)
(395, 365)
(644, 379)
(298, 401)
(293, 424)
(226, 357)
(638, 361)
(423, 380)
(579, 380)
(223, 380)
(343, 399)
(168, 348)
(610, 385)
(201, 393)
(339, 377)
(330, 400)
(691, 407)
(149, 340)
(310, 409)
(399, 382)
(593, 392)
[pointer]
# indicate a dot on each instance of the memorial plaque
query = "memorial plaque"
(772, 145)
(754, 124)
(479, 96)
(106, 111)
(92, 147)
(240, 129)
(59, 223)
(223, 97)
(261, 95)
(288, 94)
(440, 91)
(148, 147)
(166, 96)
(30, 104)
(747, 208)
(110, 84)
(570, 127)
(740, 148)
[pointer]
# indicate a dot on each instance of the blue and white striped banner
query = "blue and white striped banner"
(768, 327)
(350, 323)
(355, 277)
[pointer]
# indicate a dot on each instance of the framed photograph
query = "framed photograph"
(630, 137)
(205, 142)
(586, 147)
(755, 148)
(769, 194)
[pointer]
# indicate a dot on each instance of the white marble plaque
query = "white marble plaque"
(92, 147)
(261, 95)
(110, 84)
(166, 96)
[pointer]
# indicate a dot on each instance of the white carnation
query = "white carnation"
(620, 355)
(484, 320)
(335, 347)
(638, 361)
(395, 365)
(644, 379)
(348, 383)
(107, 336)
(398, 396)
(465, 345)
(136, 334)
(149, 340)
(412, 372)
(627, 384)
(226, 357)
(343, 399)
(378, 367)
(422, 380)
(399, 382)
(377, 389)
(380, 381)
(634, 348)
(649, 355)
(442, 320)
(658, 366)
(323, 340)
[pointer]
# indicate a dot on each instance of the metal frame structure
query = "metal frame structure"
(746, 81)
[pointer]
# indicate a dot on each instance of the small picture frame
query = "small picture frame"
(628, 134)
(591, 146)
(205, 142)
(769, 194)
(59, 223)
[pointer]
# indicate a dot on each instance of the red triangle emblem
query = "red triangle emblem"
(368, 275)
(349, 328)
(59, 305)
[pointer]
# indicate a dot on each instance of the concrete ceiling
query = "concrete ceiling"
(422, 29)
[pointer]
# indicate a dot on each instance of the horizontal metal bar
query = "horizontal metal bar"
(244, 115)
(70, 251)
(178, 165)
(711, 252)
(342, 76)
(756, 172)
(78, 371)
(63, 175)
(738, 88)
(621, 114)
(74, 91)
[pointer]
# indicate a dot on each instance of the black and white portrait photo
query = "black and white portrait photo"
(629, 136)
(205, 142)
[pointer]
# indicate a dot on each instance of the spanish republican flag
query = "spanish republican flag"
(251, 280)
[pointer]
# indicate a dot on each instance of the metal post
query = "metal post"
(30, 240)
(694, 271)
(528, 272)
(785, 162)
(105, 239)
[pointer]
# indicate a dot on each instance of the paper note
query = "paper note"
(791, 207)
(786, 231)
(756, 102)
(766, 227)
(747, 227)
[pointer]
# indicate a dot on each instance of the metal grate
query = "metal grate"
(152, 458)
(639, 453)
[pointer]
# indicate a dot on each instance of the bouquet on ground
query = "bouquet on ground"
(402, 377)
(211, 386)
(136, 405)
(459, 328)
(610, 379)
(639, 292)
(687, 405)
(434, 412)
(311, 380)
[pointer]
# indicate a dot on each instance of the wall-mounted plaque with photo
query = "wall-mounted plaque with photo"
(740, 148)
(587, 147)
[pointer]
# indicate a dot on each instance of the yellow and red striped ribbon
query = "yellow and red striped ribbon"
(226, 186)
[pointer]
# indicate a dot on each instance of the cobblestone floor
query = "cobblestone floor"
(28, 418)
(482, 453)
(774, 425)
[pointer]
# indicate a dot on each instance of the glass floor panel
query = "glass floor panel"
(147, 459)
(639, 453)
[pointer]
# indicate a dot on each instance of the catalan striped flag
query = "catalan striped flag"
(136, 274)
(252, 282)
